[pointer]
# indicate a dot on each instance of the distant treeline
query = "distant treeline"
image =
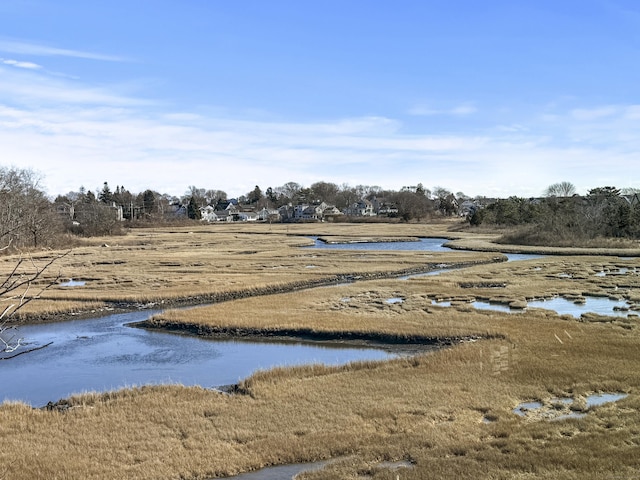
(30, 219)
(603, 213)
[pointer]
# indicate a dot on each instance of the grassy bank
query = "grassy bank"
(450, 412)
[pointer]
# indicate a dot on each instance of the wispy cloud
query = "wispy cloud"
(82, 135)
(20, 64)
(512, 128)
(86, 146)
(27, 48)
(458, 111)
(587, 114)
(29, 86)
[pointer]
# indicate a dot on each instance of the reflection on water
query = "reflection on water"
(562, 306)
(618, 271)
(103, 354)
(72, 283)
(599, 305)
(526, 406)
(602, 398)
(394, 300)
(283, 472)
(430, 244)
(560, 408)
(517, 257)
(494, 306)
(427, 244)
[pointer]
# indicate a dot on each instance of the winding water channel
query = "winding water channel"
(104, 353)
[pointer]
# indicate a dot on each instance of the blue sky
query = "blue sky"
(492, 98)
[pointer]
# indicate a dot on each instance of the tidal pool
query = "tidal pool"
(552, 412)
(618, 271)
(495, 306)
(599, 305)
(282, 472)
(286, 472)
(72, 283)
(526, 406)
(518, 257)
(393, 300)
(104, 354)
(602, 398)
(562, 306)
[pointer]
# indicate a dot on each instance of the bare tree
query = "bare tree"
(562, 189)
(289, 191)
(25, 212)
(15, 293)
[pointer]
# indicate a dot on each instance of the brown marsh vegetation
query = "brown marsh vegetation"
(449, 412)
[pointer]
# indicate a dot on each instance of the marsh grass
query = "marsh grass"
(427, 408)
(208, 264)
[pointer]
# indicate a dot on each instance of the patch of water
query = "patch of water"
(602, 398)
(514, 257)
(393, 300)
(286, 472)
(425, 244)
(439, 269)
(526, 406)
(593, 400)
(495, 307)
(430, 244)
(441, 304)
(599, 305)
(562, 306)
(618, 271)
(72, 283)
(283, 472)
(104, 354)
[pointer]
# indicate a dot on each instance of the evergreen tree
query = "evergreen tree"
(193, 209)
(105, 195)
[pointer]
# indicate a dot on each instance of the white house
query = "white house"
(362, 208)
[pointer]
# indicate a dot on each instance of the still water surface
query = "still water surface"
(429, 244)
(104, 354)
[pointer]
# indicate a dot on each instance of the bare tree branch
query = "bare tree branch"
(16, 289)
(26, 351)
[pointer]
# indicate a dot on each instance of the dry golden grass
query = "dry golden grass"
(209, 263)
(427, 408)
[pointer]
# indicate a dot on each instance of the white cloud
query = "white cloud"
(86, 146)
(19, 64)
(30, 87)
(633, 112)
(82, 135)
(463, 110)
(459, 110)
(588, 114)
(515, 127)
(27, 48)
